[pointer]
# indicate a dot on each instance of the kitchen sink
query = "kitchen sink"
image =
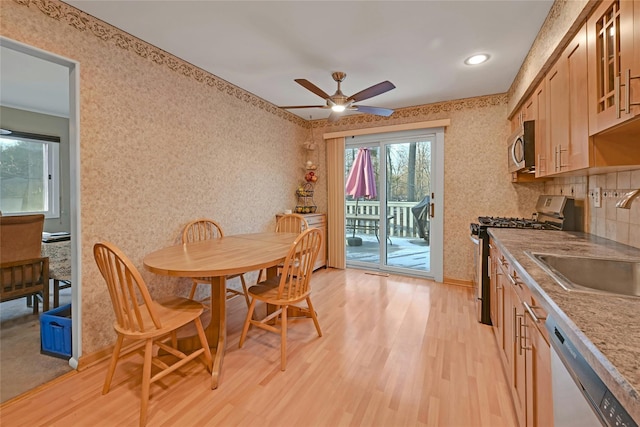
(586, 274)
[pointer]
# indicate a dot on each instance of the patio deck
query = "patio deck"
(405, 252)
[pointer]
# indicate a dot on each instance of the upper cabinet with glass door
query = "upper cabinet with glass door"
(613, 31)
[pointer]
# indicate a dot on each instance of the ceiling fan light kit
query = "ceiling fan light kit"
(339, 102)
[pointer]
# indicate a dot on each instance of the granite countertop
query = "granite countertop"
(604, 328)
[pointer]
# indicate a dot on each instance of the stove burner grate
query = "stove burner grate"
(504, 222)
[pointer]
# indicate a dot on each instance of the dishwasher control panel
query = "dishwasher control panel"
(614, 413)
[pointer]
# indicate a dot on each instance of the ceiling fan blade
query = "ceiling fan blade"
(287, 107)
(372, 91)
(313, 88)
(374, 110)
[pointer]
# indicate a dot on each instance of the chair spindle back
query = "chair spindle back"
(291, 223)
(298, 266)
(125, 284)
(201, 229)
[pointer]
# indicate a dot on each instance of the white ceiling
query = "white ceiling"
(262, 46)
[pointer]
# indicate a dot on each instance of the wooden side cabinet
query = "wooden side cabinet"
(613, 32)
(317, 220)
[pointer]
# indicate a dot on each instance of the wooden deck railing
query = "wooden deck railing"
(403, 223)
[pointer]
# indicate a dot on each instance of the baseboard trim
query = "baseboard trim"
(458, 282)
(104, 354)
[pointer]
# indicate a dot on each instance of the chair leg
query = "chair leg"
(174, 339)
(283, 338)
(313, 316)
(112, 365)
(247, 322)
(205, 345)
(146, 381)
(244, 288)
(192, 293)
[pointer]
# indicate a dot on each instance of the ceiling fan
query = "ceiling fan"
(339, 102)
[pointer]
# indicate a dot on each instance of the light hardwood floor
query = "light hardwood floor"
(395, 351)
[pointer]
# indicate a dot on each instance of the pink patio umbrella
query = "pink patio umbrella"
(361, 181)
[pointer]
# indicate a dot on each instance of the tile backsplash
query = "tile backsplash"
(621, 225)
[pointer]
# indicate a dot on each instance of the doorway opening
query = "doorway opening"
(26, 83)
(397, 229)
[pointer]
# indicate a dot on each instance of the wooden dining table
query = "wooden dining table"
(215, 259)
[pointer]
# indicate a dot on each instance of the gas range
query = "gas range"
(509, 222)
(552, 213)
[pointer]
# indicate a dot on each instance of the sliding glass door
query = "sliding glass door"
(393, 229)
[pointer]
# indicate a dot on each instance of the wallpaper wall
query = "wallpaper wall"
(163, 142)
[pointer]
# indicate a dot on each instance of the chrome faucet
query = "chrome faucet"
(627, 199)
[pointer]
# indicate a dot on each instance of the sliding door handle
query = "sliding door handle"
(431, 207)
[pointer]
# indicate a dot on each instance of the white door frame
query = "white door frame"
(74, 175)
(436, 230)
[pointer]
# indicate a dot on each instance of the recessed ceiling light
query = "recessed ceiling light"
(477, 59)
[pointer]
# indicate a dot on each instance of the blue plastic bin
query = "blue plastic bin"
(55, 332)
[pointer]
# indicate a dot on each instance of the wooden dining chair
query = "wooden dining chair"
(290, 288)
(154, 323)
(207, 229)
(24, 272)
(288, 223)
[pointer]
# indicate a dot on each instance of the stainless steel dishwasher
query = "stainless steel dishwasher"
(580, 398)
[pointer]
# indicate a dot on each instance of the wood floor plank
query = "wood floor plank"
(395, 351)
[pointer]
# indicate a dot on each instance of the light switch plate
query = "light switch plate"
(597, 197)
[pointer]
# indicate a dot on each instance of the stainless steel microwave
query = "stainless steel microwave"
(522, 150)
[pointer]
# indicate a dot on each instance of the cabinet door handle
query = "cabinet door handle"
(627, 92)
(523, 336)
(532, 313)
(616, 95)
(515, 320)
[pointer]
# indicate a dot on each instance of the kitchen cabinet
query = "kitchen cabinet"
(497, 299)
(566, 109)
(517, 356)
(317, 220)
(534, 108)
(539, 109)
(535, 345)
(518, 325)
(613, 32)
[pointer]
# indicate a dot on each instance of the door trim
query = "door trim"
(74, 176)
(336, 192)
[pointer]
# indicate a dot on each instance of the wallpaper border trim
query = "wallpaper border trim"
(82, 21)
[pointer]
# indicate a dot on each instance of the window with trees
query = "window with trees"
(29, 174)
